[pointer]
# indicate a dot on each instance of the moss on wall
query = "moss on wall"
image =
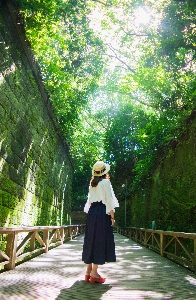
(169, 197)
(35, 166)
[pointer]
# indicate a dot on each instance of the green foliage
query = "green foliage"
(68, 53)
(168, 68)
(150, 83)
(134, 143)
(86, 149)
(121, 140)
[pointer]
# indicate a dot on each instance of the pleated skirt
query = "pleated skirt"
(99, 246)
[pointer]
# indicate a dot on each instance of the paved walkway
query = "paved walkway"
(139, 273)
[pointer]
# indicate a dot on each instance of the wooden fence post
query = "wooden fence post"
(62, 234)
(11, 250)
(46, 239)
(194, 257)
(162, 243)
(145, 239)
(70, 232)
(32, 242)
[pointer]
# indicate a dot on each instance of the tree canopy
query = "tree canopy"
(121, 78)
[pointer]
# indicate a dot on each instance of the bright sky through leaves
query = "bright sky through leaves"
(142, 17)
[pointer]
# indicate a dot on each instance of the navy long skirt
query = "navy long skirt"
(99, 246)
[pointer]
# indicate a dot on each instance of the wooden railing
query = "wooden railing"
(24, 242)
(177, 246)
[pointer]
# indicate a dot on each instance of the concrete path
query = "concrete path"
(139, 273)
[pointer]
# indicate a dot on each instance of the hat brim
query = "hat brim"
(107, 168)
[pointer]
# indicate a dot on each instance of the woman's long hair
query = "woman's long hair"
(96, 179)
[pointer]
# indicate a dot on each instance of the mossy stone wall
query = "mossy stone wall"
(169, 198)
(35, 167)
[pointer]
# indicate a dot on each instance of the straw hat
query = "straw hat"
(100, 168)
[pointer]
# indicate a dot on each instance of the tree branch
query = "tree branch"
(135, 34)
(119, 59)
(105, 4)
(96, 121)
(129, 94)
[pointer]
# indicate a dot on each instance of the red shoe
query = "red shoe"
(95, 279)
(86, 278)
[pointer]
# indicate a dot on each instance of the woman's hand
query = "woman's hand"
(112, 217)
(113, 221)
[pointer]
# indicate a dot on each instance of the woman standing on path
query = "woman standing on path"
(99, 246)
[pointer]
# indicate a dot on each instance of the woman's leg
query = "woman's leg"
(88, 269)
(94, 271)
(95, 277)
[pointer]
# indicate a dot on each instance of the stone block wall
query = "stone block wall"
(35, 166)
(169, 198)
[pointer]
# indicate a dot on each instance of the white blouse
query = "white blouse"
(102, 192)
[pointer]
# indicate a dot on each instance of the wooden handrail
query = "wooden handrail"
(177, 246)
(22, 242)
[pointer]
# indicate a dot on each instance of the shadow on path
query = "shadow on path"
(82, 290)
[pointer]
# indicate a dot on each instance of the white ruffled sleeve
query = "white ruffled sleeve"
(115, 201)
(110, 199)
(87, 205)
